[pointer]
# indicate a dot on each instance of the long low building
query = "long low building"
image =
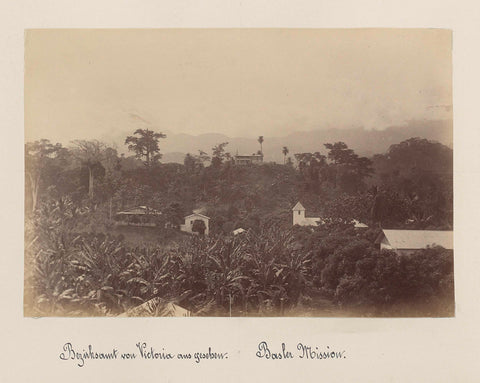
(248, 160)
(138, 216)
(409, 241)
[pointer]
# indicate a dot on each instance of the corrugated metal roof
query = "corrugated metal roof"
(419, 239)
(298, 206)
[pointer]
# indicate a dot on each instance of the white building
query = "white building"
(300, 219)
(190, 219)
(408, 241)
(248, 160)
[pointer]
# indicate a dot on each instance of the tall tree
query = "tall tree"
(260, 140)
(422, 173)
(144, 143)
(203, 157)
(38, 156)
(339, 153)
(219, 154)
(348, 169)
(194, 163)
(285, 152)
(90, 154)
(189, 163)
(312, 167)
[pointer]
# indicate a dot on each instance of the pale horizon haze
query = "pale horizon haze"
(93, 83)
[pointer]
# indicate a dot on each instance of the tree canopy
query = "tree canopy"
(144, 143)
(39, 157)
(219, 155)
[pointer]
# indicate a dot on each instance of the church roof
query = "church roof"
(298, 206)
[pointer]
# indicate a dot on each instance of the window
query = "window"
(299, 212)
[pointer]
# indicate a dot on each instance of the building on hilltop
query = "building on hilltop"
(248, 160)
(405, 242)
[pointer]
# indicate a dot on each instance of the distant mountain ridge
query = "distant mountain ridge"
(363, 142)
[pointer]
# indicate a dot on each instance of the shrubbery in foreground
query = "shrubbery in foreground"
(270, 272)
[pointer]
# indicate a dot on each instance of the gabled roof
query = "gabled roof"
(157, 307)
(298, 206)
(240, 230)
(197, 215)
(417, 239)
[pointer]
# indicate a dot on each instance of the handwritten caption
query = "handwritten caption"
(144, 351)
(141, 351)
(303, 351)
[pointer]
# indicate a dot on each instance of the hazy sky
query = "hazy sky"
(92, 83)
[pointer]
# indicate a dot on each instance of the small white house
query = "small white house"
(407, 241)
(238, 231)
(190, 219)
(300, 219)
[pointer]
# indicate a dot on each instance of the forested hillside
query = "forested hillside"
(73, 194)
(365, 142)
(411, 184)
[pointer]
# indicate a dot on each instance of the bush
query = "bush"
(385, 281)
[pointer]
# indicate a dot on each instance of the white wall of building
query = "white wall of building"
(298, 217)
(189, 220)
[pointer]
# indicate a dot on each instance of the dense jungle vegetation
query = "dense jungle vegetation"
(77, 262)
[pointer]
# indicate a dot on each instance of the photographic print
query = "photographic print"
(239, 173)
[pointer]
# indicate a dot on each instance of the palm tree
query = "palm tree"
(90, 154)
(285, 152)
(260, 140)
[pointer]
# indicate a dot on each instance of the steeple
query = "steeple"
(298, 207)
(298, 214)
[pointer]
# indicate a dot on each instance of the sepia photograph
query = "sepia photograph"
(238, 173)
